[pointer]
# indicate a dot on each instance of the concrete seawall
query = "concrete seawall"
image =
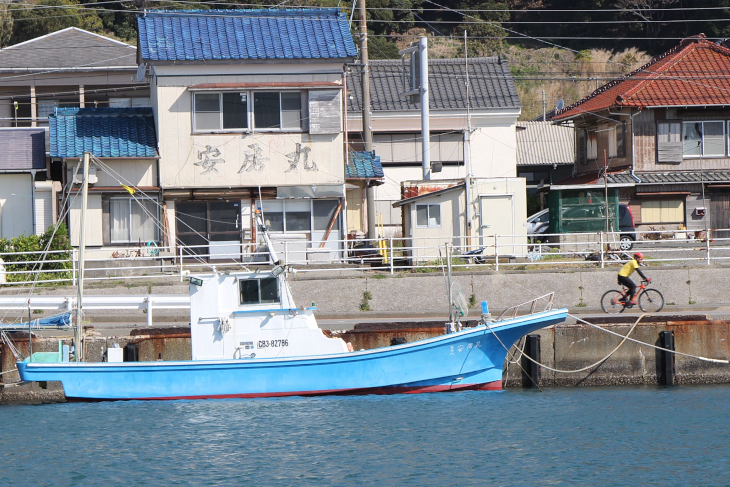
(426, 293)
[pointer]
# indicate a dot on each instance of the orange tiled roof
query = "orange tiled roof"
(696, 72)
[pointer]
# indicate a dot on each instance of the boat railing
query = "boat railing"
(534, 305)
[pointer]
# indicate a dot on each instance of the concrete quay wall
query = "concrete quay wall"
(573, 347)
(426, 293)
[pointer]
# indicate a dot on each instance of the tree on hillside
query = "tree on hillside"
(6, 24)
(42, 17)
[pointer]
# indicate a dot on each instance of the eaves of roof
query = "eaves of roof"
(694, 73)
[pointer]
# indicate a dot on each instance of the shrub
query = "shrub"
(23, 250)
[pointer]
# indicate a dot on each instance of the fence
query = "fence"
(388, 255)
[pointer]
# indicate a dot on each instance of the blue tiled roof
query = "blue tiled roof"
(105, 132)
(206, 35)
(363, 165)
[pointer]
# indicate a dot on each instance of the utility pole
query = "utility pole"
(425, 115)
(367, 128)
(467, 147)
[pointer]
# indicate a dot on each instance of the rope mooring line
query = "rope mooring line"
(698, 357)
(583, 368)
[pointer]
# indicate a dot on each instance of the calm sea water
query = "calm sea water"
(587, 436)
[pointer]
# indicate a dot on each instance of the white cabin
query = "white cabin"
(252, 315)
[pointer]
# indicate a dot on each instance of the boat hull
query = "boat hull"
(466, 360)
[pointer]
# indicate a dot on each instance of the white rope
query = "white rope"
(698, 357)
(581, 369)
(8, 371)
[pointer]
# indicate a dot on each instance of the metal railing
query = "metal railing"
(513, 311)
(390, 255)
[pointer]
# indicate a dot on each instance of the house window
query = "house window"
(288, 216)
(259, 291)
(669, 142)
(274, 110)
(620, 147)
(270, 110)
(428, 216)
(220, 111)
(703, 139)
(662, 211)
(132, 220)
(582, 147)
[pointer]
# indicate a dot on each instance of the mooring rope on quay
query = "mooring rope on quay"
(514, 358)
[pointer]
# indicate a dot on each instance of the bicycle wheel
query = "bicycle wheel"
(651, 301)
(610, 302)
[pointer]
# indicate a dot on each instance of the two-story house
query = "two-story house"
(661, 133)
(249, 115)
(67, 68)
(489, 105)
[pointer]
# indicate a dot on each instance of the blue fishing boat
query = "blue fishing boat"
(250, 340)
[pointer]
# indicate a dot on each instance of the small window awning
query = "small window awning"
(407, 201)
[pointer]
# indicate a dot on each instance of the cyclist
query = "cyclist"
(626, 271)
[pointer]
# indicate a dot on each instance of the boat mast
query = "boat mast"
(78, 347)
(265, 232)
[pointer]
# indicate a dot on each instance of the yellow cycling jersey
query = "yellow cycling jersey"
(628, 268)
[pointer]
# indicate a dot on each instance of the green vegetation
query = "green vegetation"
(365, 303)
(23, 258)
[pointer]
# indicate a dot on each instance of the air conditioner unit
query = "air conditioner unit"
(79, 176)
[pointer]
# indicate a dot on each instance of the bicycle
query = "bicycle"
(650, 300)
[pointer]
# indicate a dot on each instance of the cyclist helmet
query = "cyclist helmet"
(638, 255)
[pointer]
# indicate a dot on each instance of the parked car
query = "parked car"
(539, 223)
(626, 227)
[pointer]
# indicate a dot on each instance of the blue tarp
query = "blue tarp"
(56, 321)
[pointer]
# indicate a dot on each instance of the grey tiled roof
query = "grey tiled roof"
(490, 80)
(23, 149)
(68, 48)
(543, 143)
(672, 177)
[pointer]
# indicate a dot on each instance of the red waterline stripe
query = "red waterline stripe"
(489, 386)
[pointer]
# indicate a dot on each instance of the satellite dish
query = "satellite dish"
(561, 104)
(141, 71)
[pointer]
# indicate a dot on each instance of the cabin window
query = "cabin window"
(428, 216)
(132, 220)
(241, 111)
(258, 291)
